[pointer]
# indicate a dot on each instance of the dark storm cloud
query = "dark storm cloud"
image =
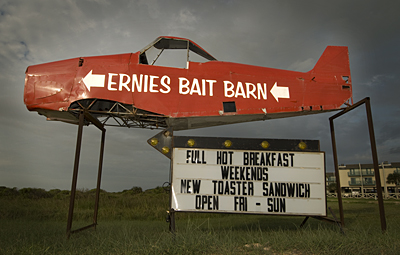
(281, 34)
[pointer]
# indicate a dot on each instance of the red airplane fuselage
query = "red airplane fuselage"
(200, 95)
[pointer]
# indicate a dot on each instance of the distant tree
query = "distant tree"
(332, 187)
(4, 191)
(133, 190)
(395, 179)
(136, 190)
(34, 193)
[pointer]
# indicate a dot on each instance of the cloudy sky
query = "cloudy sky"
(281, 34)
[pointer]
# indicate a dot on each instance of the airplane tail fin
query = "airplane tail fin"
(332, 71)
(334, 60)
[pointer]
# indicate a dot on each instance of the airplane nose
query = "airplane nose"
(49, 82)
(46, 88)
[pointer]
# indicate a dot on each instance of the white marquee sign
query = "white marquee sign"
(248, 181)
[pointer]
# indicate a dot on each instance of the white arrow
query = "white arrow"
(279, 92)
(94, 80)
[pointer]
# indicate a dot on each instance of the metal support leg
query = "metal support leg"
(75, 173)
(339, 225)
(172, 221)
(304, 222)
(337, 176)
(93, 120)
(171, 210)
(376, 165)
(96, 205)
(365, 101)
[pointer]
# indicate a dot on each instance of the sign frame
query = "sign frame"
(204, 202)
(166, 143)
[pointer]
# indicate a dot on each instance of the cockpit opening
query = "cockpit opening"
(173, 52)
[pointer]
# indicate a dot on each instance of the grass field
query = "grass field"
(133, 222)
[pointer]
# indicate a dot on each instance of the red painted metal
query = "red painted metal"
(189, 97)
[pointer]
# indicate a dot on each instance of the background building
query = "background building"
(358, 180)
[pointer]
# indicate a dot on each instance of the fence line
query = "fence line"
(365, 195)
